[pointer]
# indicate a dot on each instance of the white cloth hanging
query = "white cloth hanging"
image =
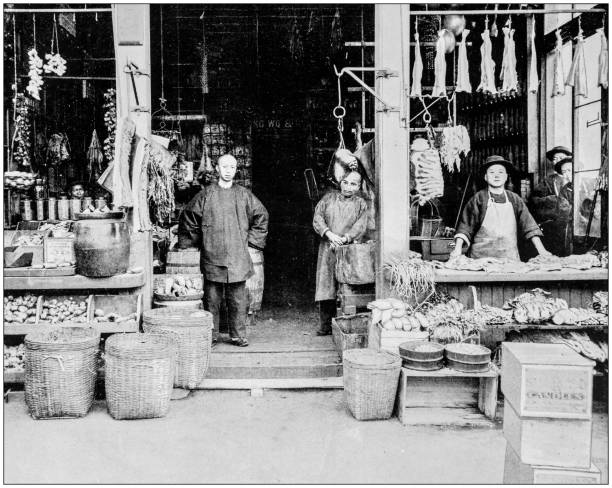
(534, 82)
(602, 79)
(416, 90)
(463, 73)
(577, 76)
(508, 68)
(487, 65)
(439, 89)
(558, 72)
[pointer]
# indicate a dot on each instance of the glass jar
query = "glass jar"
(63, 208)
(100, 203)
(52, 208)
(75, 207)
(27, 212)
(40, 209)
(39, 189)
(87, 201)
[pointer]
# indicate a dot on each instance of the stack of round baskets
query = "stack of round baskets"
(139, 375)
(192, 330)
(370, 382)
(60, 371)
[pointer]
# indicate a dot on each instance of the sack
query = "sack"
(355, 263)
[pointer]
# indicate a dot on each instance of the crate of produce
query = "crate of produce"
(64, 309)
(370, 382)
(20, 309)
(115, 312)
(518, 473)
(14, 360)
(139, 375)
(192, 330)
(557, 442)
(60, 371)
(25, 249)
(351, 331)
(547, 380)
(178, 287)
(380, 338)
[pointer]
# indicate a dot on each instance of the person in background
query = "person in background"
(551, 203)
(77, 190)
(340, 217)
(223, 219)
(494, 218)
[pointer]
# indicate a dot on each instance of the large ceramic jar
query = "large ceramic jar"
(102, 244)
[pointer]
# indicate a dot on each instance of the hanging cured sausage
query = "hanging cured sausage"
(463, 75)
(603, 61)
(558, 73)
(439, 89)
(508, 68)
(487, 65)
(417, 69)
(533, 67)
(577, 73)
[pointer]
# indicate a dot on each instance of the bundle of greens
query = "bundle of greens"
(411, 278)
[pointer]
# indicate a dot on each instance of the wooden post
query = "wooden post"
(131, 33)
(392, 152)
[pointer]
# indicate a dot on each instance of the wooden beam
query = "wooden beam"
(270, 383)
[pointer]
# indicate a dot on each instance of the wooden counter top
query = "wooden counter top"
(454, 276)
(76, 282)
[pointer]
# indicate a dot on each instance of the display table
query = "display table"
(76, 282)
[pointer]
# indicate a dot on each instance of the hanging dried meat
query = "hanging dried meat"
(463, 74)
(58, 149)
(417, 69)
(558, 72)
(508, 67)
(603, 61)
(487, 65)
(454, 141)
(577, 76)
(534, 82)
(439, 89)
(429, 182)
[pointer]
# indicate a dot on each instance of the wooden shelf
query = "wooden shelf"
(492, 372)
(545, 327)
(467, 277)
(102, 327)
(76, 282)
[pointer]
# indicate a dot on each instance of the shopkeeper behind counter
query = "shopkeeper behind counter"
(494, 218)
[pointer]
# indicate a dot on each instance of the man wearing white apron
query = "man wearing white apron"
(494, 218)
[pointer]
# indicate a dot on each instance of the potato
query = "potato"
(30, 320)
(386, 315)
(388, 325)
(99, 312)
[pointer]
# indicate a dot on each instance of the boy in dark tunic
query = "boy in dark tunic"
(223, 219)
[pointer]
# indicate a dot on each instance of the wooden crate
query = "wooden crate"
(355, 297)
(183, 258)
(120, 304)
(78, 298)
(447, 397)
(564, 443)
(351, 331)
(59, 250)
(390, 340)
(547, 380)
(518, 473)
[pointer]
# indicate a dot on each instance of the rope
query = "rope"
(161, 37)
(339, 112)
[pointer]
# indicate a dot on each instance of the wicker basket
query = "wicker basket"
(60, 371)
(370, 382)
(192, 330)
(139, 375)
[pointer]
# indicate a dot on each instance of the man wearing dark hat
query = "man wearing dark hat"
(495, 219)
(551, 202)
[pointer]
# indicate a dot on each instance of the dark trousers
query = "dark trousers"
(327, 311)
(236, 301)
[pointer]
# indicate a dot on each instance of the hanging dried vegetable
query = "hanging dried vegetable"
(35, 65)
(58, 149)
(417, 69)
(577, 76)
(534, 82)
(110, 122)
(439, 89)
(558, 71)
(161, 182)
(508, 68)
(602, 79)
(463, 74)
(21, 145)
(411, 278)
(487, 65)
(95, 156)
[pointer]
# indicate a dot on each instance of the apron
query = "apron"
(497, 236)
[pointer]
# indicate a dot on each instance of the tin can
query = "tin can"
(100, 203)
(27, 212)
(63, 208)
(87, 201)
(52, 208)
(75, 207)
(40, 209)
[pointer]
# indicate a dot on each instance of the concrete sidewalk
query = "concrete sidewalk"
(230, 437)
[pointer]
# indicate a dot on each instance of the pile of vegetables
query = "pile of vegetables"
(60, 228)
(110, 122)
(180, 286)
(29, 240)
(574, 261)
(20, 310)
(19, 180)
(67, 310)
(101, 316)
(392, 314)
(14, 358)
(161, 182)
(535, 307)
(411, 278)
(600, 302)
(582, 316)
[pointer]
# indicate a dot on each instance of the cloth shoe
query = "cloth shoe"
(240, 341)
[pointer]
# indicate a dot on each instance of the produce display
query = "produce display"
(57, 310)
(411, 278)
(14, 358)
(600, 302)
(392, 314)
(19, 180)
(59, 229)
(180, 286)
(101, 316)
(467, 348)
(29, 240)
(20, 310)
(580, 316)
(535, 307)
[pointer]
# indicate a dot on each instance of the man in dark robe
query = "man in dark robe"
(223, 219)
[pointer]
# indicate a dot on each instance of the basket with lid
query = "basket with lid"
(192, 330)
(60, 371)
(467, 357)
(422, 355)
(139, 375)
(370, 382)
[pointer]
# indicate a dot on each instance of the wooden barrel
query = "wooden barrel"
(255, 284)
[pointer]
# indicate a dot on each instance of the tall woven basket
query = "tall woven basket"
(139, 375)
(370, 382)
(192, 330)
(60, 372)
